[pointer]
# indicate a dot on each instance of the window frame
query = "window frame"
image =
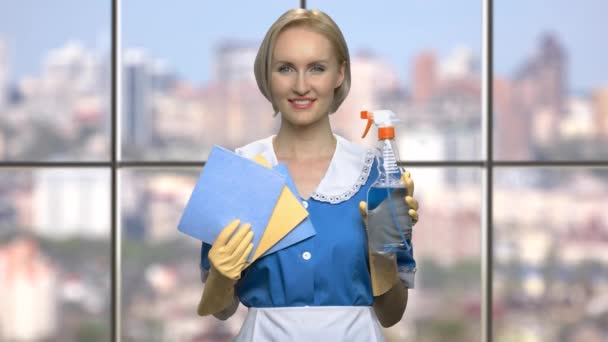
(487, 164)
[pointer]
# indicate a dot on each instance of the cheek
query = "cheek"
(328, 86)
(280, 85)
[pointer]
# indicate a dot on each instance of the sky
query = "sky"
(185, 33)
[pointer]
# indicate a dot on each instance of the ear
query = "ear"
(341, 73)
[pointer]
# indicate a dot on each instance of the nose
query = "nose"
(301, 86)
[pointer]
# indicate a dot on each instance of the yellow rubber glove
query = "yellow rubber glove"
(228, 258)
(228, 255)
(383, 269)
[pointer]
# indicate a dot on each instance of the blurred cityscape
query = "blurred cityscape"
(550, 266)
(538, 119)
(551, 277)
(63, 113)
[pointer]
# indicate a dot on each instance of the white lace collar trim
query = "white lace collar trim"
(348, 169)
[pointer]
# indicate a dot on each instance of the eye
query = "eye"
(317, 68)
(284, 69)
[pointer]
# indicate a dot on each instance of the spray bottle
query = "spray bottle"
(388, 222)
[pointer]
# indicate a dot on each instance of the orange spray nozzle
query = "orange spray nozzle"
(369, 116)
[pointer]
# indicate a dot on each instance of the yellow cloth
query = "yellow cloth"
(287, 214)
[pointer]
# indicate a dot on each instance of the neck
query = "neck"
(311, 142)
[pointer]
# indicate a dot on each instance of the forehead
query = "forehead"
(301, 43)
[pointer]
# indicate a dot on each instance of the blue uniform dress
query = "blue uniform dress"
(328, 269)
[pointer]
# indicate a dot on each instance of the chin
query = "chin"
(302, 119)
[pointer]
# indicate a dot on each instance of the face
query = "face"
(305, 73)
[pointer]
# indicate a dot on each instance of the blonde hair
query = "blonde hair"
(317, 21)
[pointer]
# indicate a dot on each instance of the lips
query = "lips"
(303, 103)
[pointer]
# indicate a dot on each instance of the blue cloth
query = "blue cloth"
(222, 180)
(328, 269)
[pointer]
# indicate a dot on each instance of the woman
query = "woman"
(326, 286)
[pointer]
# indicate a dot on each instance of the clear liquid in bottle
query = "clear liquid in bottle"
(388, 218)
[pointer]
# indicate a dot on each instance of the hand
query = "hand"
(409, 199)
(229, 255)
(383, 267)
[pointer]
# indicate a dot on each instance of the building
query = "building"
(600, 109)
(71, 203)
(136, 129)
(510, 137)
(28, 293)
(71, 68)
(3, 143)
(460, 64)
(449, 231)
(179, 121)
(166, 198)
(546, 69)
(234, 61)
(424, 77)
(550, 72)
(579, 120)
(540, 93)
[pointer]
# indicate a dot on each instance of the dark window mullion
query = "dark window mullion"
(487, 223)
(114, 246)
(164, 164)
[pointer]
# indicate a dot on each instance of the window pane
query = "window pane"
(445, 305)
(55, 255)
(551, 266)
(161, 280)
(55, 80)
(189, 83)
(421, 60)
(161, 284)
(551, 80)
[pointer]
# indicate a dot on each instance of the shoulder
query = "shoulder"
(261, 146)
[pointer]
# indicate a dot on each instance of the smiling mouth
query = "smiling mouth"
(301, 103)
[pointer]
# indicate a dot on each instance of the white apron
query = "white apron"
(311, 323)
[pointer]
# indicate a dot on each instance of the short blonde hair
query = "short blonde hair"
(317, 21)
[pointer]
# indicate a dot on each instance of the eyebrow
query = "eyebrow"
(321, 61)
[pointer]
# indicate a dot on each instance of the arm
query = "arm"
(218, 297)
(207, 278)
(391, 294)
(390, 306)
(220, 289)
(227, 258)
(229, 311)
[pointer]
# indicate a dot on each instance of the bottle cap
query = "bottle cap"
(386, 132)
